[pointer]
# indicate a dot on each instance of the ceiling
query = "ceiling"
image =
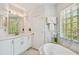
(31, 6)
(28, 6)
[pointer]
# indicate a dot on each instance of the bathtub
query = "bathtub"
(55, 49)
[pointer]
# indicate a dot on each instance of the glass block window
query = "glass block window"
(70, 22)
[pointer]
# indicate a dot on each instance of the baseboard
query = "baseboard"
(25, 50)
(35, 49)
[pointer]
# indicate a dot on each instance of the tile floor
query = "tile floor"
(31, 51)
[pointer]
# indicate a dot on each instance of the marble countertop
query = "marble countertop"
(8, 37)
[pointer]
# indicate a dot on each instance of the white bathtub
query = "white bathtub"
(55, 49)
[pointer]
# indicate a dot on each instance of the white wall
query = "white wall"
(37, 25)
(50, 10)
(37, 18)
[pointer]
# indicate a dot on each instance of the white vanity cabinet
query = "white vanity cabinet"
(21, 44)
(6, 47)
(15, 45)
(25, 44)
(29, 43)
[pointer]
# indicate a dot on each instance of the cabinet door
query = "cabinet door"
(28, 42)
(17, 46)
(21, 44)
(6, 47)
(24, 44)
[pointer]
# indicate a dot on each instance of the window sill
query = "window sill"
(76, 41)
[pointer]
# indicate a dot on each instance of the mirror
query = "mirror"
(3, 22)
(3, 19)
(11, 20)
(15, 24)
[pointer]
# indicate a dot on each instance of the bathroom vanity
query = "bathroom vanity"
(14, 45)
(12, 39)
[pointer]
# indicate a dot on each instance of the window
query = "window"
(70, 23)
(74, 23)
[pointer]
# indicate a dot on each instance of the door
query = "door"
(38, 30)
